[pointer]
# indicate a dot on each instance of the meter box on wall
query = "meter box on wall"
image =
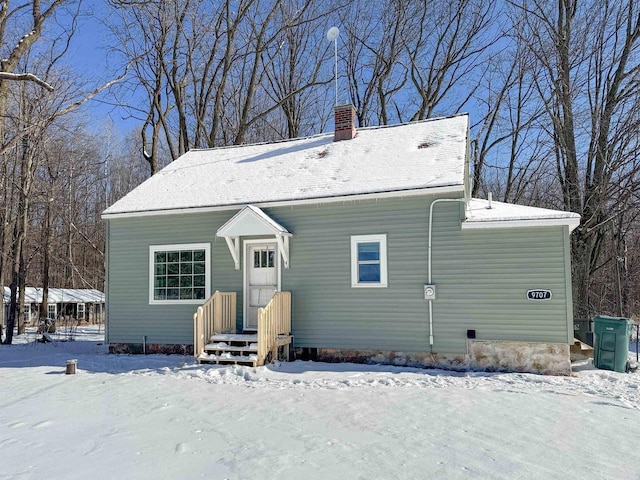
(429, 292)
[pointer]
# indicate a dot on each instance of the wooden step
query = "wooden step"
(229, 359)
(234, 337)
(224, 347)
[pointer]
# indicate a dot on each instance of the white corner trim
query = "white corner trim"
(571, 222)
(382, 240)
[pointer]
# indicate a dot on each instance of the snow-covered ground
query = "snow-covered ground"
(164, 417)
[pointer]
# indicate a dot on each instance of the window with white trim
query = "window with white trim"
(27, 312)
(369, 260)
(52, 311)
(81, 311)
(179, 273)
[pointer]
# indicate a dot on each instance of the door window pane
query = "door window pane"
(264, 258)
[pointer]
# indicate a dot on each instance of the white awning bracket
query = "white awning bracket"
(283, 248)
(234, 248)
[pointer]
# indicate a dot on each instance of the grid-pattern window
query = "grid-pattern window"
(179, 273)
(369, 261)
(52, 311)
(81, 311)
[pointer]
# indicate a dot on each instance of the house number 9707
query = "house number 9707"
(539, 294)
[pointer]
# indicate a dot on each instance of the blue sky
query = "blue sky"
(90, 56)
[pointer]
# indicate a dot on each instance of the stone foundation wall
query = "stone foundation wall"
(531, 357)
(139, 348)
(413, 359)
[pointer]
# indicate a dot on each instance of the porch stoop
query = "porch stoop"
(214, 323)
(231, 348)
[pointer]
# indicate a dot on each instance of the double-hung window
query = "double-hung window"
(81, 311)
(179, 273)
(369, 260)
(52, 311)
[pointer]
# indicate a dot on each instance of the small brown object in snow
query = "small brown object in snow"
(71, 367)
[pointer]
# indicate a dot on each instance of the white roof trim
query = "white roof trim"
(307, 201)
(482, 215)
(251, 221)
(571, 222)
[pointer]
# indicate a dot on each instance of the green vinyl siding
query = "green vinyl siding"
(481, 277)
(130, 315)
(327, 311)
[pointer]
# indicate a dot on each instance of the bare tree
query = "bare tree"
(216, 73)
(375, 67)
(586, 76)
(28, 115)
(445, 50)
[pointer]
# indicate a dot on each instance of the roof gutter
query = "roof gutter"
(571, 222)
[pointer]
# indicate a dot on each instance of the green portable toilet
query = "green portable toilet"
(612, 343)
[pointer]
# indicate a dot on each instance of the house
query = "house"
(372, 233)
(77, 303)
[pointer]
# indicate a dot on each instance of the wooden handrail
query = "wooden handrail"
(274, 320)
(216, 315)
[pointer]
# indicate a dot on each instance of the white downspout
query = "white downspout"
(439, 200)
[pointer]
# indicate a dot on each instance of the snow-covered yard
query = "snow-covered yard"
(164, 417)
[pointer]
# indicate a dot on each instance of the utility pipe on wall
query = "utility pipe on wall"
(433, 204)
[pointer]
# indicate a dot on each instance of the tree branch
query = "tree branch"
(30, 77)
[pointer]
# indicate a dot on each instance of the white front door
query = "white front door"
(261, 279)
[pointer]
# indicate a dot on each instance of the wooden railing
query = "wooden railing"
(216, 315)
(274, 326)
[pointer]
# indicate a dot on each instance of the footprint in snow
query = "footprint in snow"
(43, 424)
(181, 448)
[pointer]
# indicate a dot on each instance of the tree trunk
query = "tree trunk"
(581, 275)
(46, 234)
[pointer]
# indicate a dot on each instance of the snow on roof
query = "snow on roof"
(480, 216)
(59, 295)
(416, 155)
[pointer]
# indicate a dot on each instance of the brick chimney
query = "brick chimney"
(345, 120)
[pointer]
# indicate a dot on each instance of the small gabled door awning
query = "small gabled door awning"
(251, 221)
